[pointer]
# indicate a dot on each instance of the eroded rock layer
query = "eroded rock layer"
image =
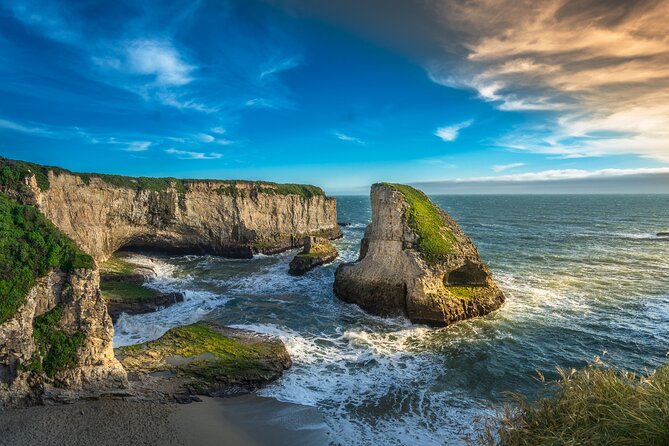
(103, 213)
(415, 261)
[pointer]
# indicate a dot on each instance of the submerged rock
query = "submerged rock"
(317, 251)
(204, 359)
(663, 234)
(415, 261)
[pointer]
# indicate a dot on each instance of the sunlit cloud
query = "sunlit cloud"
(563, 174)
(450, 132)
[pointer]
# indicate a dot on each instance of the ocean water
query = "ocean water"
(586, 279)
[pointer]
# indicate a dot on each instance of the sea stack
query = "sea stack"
(415, 261)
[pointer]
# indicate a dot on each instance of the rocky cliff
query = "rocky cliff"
(55, 331)
(103, 213)
(415, 261)
(59, 340)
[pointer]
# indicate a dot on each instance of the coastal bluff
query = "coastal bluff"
(415, 261)
(105, 213)
(58, 227)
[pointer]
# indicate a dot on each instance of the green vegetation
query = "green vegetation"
(126, 292)
(594, 406)
(13, 172)
(463, 292)
(56, 350)
(117, 267)
(211, 355)
(434, 240)
(30, 245)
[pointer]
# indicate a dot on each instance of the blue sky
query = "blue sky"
(290, 92)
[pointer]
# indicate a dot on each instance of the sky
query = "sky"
(476, 96)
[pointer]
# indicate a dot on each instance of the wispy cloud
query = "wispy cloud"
(138, 146)
(348, 138)
(188, 155)
(22, 128)
(563, 174)
(160, 59)
(275, 67)
(450, 132)
(503, 167)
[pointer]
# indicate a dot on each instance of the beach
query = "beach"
(246, 420)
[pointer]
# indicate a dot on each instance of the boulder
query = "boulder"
(415, 261)
(203, 359)
(317, 251)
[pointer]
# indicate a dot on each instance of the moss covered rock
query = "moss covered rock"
(415, 261)
(317, 251)
(206, 358)
(122, 286)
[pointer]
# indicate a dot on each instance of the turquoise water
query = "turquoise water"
(585, 278)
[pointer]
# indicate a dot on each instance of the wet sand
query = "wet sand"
(241, 421)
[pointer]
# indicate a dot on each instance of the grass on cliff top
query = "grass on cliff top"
(593, 406)
(434, 240)
(13, 172)
(56, 350)
(228, 357)
(30, 245)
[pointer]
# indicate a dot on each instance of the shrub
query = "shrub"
(30, 246)
(594, 406)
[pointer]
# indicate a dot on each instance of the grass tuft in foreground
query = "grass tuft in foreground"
(434, 240)
(30, 245)
(594, 406)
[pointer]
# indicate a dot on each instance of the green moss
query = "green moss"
(126, 292)
(212, 353)
(30, 245)
(56, 350)
(434, 239)
(463, 292)
(593, 406)
(117, 267)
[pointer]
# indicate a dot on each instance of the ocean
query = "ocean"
(586, 280)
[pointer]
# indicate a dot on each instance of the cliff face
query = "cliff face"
(415, 261)
(60, 338)
(230, 219)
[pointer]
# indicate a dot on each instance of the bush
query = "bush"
(594, 406)
(30, 245)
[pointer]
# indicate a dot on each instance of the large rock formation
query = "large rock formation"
(60, 338)
(415, 261)
(55, 331)
(103, 213)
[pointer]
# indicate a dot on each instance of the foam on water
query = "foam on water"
(579, 282)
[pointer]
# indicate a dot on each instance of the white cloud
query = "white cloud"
(563, 174)
(260, 103)
(138, 146)
(158, 58)
(188, 155)
(278, 67)
(450, 132)
(17, 127)
(218, 130)
(205, 138)
(348, 138)
(503, 167)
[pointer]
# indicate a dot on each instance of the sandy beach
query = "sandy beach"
(245, 421)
